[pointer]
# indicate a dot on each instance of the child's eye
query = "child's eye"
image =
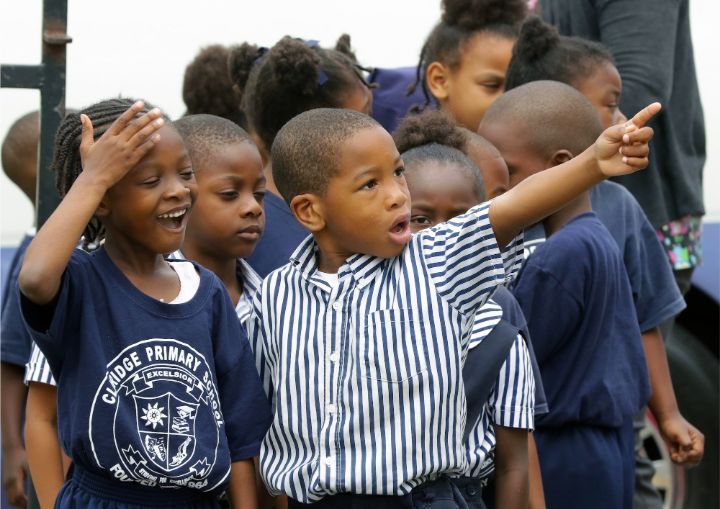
(399, 172)
(187, 173)
(369, 184)
(422, 220)
(228, 195)
(259, 196)
(150, 181)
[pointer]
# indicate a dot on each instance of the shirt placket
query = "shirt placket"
(332, 453)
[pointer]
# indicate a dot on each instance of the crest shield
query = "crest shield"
(166, 429)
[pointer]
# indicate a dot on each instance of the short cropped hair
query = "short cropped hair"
(203, 134)
(306, 150)
(554, 116)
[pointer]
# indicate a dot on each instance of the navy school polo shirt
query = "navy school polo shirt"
(161, 395)
(575, 294)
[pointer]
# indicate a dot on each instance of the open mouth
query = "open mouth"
(400, 230)
(175, 219)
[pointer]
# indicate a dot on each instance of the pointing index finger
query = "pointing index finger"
(644, 116)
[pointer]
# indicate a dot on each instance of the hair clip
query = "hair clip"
(260, 54)
(322, 76)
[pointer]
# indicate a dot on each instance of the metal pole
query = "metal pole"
(49, 78)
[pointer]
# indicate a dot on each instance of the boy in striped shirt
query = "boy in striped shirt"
(360, 339)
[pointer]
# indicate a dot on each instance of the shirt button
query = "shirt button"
(337, 305)
(334, 357)
(329, 461)
(331, 408)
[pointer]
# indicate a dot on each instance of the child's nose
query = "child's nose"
(177, 188)
(252, 208)
(397, 195)
(621, 118)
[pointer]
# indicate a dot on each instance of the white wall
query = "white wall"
(140, 48)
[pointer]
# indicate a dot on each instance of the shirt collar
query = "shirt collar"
(361, 267)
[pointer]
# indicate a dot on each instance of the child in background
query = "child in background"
(444, 183)
(590, 354)
(149, 349)
(275, 85)
(497, 181)
(19, 162)
(227, 219)
(366, 388)
(207, 87)
(463, 61)
(542, 54)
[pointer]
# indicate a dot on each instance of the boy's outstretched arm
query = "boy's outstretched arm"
(105, 162)
(687, 443)
(511, 468)
(620, 150)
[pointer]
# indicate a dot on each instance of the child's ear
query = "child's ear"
(103, 209)
(436, 77)
(309, 211)
(559, 157)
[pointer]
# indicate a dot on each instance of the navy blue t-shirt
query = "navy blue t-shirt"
(655, 292)
(16, 343)
(166, 395)
(390, 100)
(283, 234)
(576, 297)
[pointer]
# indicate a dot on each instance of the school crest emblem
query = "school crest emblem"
(160, 403)
(166, 425)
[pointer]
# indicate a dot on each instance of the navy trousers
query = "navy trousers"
(440, 494)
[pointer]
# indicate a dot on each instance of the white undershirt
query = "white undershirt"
(189, 281)
(331, 279)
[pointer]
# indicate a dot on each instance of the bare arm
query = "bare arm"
(105, 162)
(14, 468)
(511, 468)
(687, 443)
(620, 150)
(242, 490)
(43, 445)
(537, 493)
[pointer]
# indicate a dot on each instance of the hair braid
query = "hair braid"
(66, 162)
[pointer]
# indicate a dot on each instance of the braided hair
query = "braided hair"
(541, 53)
(460, 21)
(66, 162)
(434, 136)
(293, 76)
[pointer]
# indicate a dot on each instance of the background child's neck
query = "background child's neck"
(269, 180)
(224, 268)
(579, 205)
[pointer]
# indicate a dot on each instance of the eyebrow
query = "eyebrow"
(372, 169)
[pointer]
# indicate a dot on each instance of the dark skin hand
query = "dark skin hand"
(511, 468)
(686, 442)
(15, 467)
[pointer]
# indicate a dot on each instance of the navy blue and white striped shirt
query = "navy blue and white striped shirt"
(366, 376)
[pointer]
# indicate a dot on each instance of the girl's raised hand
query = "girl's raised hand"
(121, 147)
(623, 148)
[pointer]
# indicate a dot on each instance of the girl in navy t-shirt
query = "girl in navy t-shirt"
(159, 403)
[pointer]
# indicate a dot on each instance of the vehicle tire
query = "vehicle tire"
(694, 371)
